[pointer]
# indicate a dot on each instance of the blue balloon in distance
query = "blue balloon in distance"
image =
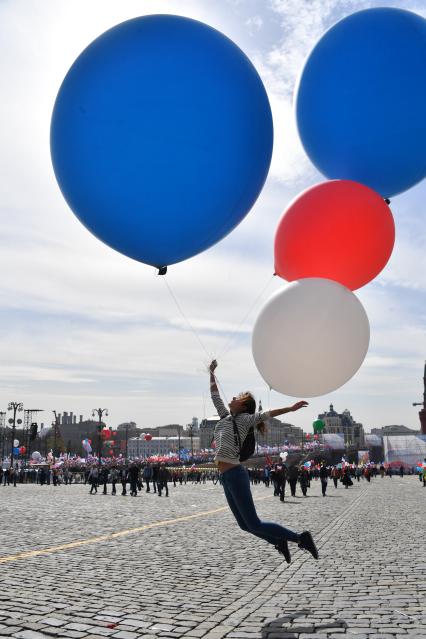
(361, 100)
(161, 137)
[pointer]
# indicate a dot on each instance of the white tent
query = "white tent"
(405, 449)
(335, 441)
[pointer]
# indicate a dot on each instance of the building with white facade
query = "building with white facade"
(139, 447)
(343, 423)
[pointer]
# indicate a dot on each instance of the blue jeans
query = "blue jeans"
(236, 485)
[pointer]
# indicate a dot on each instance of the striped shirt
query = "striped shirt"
(226, 447)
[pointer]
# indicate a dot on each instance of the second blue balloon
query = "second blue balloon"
(361, 100)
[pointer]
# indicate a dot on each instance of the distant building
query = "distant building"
(393, 429)
(139, 447)
(73, 432)
(343, 423)
(129, 426)
(170, 430)
(206, 431)
(277, 433)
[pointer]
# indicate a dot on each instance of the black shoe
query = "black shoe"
(307, 543)
(282, 548)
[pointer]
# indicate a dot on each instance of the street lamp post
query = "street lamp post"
(191, 435)
(28, 425)
(3, 434)
(16, 407)
(99, 412)
(127, 441)
(55, 425)
(178, 430)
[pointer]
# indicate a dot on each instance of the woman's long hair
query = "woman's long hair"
(250, 405)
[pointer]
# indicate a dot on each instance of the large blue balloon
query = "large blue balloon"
(161, 137)
(361, 100)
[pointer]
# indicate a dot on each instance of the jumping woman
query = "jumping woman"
(230, 433)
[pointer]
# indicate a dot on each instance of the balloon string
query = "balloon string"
(229, 343)
(197, 337)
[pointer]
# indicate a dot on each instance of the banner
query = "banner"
(363, 457)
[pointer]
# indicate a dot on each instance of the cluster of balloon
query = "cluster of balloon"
(337, 236)
(147, 437)
(106, 433)
(161, 137)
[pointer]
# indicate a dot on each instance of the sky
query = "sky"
(84, 327)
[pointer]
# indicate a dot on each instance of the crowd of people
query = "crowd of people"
(135, 477)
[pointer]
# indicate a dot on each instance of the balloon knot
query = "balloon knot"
(387, 200)
(162, 270)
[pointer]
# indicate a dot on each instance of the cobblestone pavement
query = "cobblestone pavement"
(189, 571)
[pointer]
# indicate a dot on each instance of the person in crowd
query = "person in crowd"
(231, 431)
(155, 477)
(104, 479)
(323, 473)
(123, 479)
(147, 476)
(133, 479)
(292, 476)
(346, 477)
(114, 480)
(163, 479)
(335, 475)
(304, 480)
(93, 479)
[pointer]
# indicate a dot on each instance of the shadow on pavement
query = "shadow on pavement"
(293, 624)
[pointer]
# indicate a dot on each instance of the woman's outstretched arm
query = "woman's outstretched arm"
(222, 411)
(289, 409)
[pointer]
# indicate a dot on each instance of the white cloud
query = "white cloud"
(254, 24)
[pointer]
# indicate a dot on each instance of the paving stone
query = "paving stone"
(30, 634)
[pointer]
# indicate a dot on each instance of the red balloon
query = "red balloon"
(308, 436)
(338, 230)
(22, 450)
(90, 441)
(147, 437)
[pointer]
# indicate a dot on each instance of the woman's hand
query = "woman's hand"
(213, 366)
(298, 405)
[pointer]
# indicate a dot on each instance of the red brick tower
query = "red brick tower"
(422, 411)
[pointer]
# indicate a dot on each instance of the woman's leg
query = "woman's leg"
(237, 491)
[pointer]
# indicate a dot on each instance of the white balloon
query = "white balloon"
(16, 442)
(310, 338)
(35, 455)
